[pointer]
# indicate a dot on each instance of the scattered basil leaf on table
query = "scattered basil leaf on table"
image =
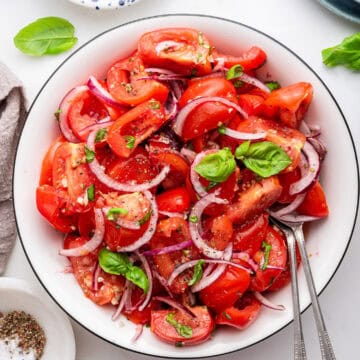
(119, 264)
(263, 158)
(46, 36)
(347, 53)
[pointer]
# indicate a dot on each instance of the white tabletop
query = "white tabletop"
(302, 25)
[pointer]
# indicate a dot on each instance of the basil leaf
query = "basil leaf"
(347, 53)
(46, 36)
(91, 192)
(130, 141)
(145, 218)
(217, 167)
(119, 264)
(272, 85)
(263, 158)
(222, 129)
(113, 263)
(267, 248)
(89, 154)
(183, 330)
(198, 272)
(193, 219)
(113, 213)
(234, 72)
(100, 135)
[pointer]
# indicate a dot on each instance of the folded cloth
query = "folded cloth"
(12, 117)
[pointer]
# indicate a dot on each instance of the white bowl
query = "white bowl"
(327, 240)
(105, 4)
(16, 294)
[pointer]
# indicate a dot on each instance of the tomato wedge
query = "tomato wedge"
(167, 325)
(183, 50)
(135, 126)
(314, 203)
(174, 200)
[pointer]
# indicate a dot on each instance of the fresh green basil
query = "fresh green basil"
(263, 158)
(183, 330)
(267, 248)
(57, 114)
(347, 53)
(119, 264)
(193, 219)
(90, 191)
(217, 167)
(100, 135)
(89, 155)
(46, 36)
(114, 212)
(234, 72)
(198, 272)
(130, 141)
(272, 85)
(222, 129)
(145, 218)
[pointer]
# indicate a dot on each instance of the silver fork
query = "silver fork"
(294, 234)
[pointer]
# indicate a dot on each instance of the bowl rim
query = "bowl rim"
(225, 20)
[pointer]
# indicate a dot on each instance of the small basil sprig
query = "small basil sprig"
(198, 272)
(267, 248)
(347, 53)
(46, 36)
(119, 264)
(234, 72)
(183, 330)
(272, 85)
(89, 154)
(263, 158)
(217, 167)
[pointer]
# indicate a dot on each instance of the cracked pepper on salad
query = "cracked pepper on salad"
(165, 175)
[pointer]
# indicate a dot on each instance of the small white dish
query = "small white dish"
(105, 4)
(16, 294)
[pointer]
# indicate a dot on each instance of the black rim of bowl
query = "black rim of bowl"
(229, 21)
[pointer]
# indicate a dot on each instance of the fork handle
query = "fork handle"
(327, 352)
(299, 349)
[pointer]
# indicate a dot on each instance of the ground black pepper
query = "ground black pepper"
(22, 326)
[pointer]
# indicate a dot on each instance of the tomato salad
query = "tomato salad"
(164, 178)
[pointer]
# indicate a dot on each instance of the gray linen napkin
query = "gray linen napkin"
(12, 116)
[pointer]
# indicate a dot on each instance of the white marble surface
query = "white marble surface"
(302, 25)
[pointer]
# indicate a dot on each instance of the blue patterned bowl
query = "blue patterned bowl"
(105, 4)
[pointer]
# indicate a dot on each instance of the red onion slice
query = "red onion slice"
(102, 124)
(239, 135)
(138, 332)
(291, 207)
(195, 227)
(124, 298)
(166, 45)
(220, 64)
(319, 146)
(309, 170)
(127, 224)
(96, 275)
(93, 243)
(160, 71)
(254, 81)
(168, 249)
(267, 302)
(64, 107)
(175, 305)
(190, 106)
(150, 278)
(189, 154)
(244, 256)
(150, 231)
(98, 90)
(172, 214)
(162, 281)
(105, 179)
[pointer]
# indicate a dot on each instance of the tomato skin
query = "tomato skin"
(250, 234)
(111, 286)
(209, 115)
(314, 203)
(241, 316)
(289, 139)
(227, 289)
(46, 177)
(139, 122)
(174, 200)
(202, 325)
(286, 179)
(49, 202)
(218, 231)
(289, 103)
(277, 257)
(250, 59)
(254, 200)
(125, 84)
(184, 53)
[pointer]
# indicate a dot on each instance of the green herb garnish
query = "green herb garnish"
(183, 330)
(222, 129)
(267, 248)
(89, 154)
(91, 192)
(114, 212)
(100, 135)
(145, 218)
(198, 272)
(272, 85)
(130, 141)
(234, 72)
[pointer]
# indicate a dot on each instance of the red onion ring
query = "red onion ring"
(172, 214)
(162, 281)
(246, 257)
(175, 305)
(93, 243)
(319, 146)
(177, 89)
(254, 81)
(64, 107)
(194, 176)
(291, 207)
(127, 224)
(189, 154)
(309, 170)
(98, 90)
(105, 179)
(195, 227)
(126, 294)
(150, 278)
(267, 302)
(138, 332)
(160, 71)
(190, 106)
(96, 275)
(150, 231)
(239, 135)
(102, 124)
(220, 64)
(168, 249)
